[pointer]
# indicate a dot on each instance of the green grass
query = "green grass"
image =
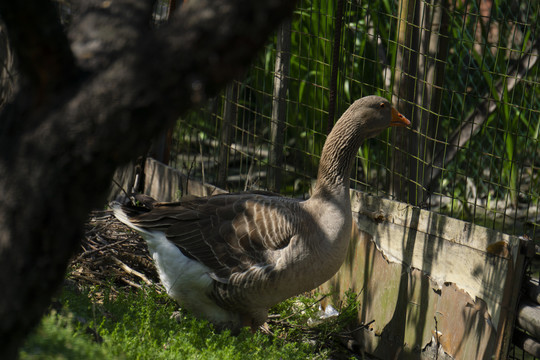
(58, 337)
(94, 324)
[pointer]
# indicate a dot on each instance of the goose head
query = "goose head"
(364, 119)
(371, 115)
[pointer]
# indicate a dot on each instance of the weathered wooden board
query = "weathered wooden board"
(164, 183)
(428, 281)
(123, 180)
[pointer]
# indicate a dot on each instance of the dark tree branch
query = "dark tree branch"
(8, 82)
(101, 30)
(135, 84)
(40, 44)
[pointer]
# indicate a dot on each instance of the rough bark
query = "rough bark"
(89, 99)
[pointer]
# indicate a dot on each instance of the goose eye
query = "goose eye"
(381, 105)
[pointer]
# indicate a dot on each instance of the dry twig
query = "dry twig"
(112, 254)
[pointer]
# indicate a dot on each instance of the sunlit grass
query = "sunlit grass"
(97, 324)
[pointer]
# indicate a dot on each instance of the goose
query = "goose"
(230, 257)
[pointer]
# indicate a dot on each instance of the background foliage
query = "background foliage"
(476, 66)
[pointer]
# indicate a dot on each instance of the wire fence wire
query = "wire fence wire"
(465, 73)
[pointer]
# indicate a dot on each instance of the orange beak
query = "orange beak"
(398, 119)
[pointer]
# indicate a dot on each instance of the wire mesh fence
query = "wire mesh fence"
(465, 73)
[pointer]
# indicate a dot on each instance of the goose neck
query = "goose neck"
(336, 160)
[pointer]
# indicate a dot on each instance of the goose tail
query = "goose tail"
(138, 205)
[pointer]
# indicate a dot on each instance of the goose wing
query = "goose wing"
(228, 233)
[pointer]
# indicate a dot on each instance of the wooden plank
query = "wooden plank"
(431, 283)
(509, 303)
(164, 183)
(123, 180)
(447, 249)
(525, 342)
(532, 289)
(447, 228)
(529, 318)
